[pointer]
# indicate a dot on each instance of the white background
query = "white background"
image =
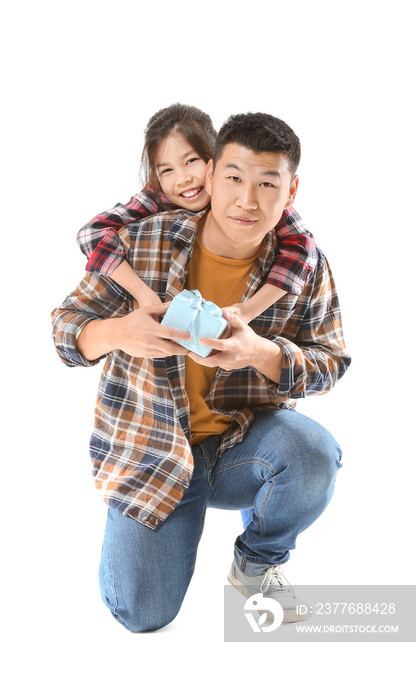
(81, 81)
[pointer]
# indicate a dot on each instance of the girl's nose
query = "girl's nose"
(183, 177)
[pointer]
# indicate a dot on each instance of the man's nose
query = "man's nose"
(247, 198)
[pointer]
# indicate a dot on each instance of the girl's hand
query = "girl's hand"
(147, 297)
(239, 310)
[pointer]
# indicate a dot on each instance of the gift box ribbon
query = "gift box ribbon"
(197, 304)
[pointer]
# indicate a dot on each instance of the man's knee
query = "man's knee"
(141, 618)
(310, 453)
(146, 621)
(320, 457)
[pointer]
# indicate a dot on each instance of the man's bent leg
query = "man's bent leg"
(285, 469)
(144, 573)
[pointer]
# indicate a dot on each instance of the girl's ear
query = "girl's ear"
(208, 176)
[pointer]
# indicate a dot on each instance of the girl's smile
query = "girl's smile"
(193, 193)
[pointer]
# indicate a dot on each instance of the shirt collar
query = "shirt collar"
(185, 226)
(268, 252)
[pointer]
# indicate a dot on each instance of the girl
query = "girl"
(179, 141)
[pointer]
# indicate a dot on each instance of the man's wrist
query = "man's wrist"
(269, 360)
(97, 338)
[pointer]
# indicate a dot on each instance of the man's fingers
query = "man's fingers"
(172, 333)
(164, 331)
(181, 351)
(206, 361)
(167, 348)
(214, 343)
(227, 332)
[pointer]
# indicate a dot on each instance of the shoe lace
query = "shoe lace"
(274, 579)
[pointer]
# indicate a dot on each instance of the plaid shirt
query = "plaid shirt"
(99, 241)
(142, 459)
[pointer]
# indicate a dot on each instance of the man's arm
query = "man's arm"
(95, 298)
(137, 334)
(316, 358)
(94, 321)
(309, 359)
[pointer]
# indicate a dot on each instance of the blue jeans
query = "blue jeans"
(284, 470)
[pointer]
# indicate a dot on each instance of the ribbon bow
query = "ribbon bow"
(197, 304)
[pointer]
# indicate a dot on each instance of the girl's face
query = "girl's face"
(181, 173)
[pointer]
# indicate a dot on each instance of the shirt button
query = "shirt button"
(181, 279)
(184, 482)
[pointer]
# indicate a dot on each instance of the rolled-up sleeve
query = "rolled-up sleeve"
(317, 357)
(95, 298)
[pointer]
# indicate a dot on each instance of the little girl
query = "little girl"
(179, 142)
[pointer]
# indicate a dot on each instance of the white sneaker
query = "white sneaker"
(273, 584)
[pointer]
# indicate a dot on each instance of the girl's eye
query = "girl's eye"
(165, 172)
(191, 160)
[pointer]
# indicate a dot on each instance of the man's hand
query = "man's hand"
(143, 336)
(242, 349)
(137, 334)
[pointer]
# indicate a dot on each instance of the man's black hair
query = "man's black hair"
(260, 133)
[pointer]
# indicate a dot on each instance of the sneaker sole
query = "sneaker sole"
(289, 615)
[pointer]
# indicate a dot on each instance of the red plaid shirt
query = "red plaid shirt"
(99, 241)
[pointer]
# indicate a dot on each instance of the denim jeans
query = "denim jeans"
(283, 473)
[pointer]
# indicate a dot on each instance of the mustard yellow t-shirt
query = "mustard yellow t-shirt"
(222, 281)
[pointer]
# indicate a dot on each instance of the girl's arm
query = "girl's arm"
(99, 241)
(127, 278)
(293, 266)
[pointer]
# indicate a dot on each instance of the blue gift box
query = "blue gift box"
(202, 319)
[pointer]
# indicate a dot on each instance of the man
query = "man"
(174, 432)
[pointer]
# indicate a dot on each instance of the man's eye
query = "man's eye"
(266, 184)
(234, 178)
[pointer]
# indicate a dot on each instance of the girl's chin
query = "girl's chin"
(197, 207)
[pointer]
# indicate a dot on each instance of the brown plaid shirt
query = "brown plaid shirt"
(142, 458)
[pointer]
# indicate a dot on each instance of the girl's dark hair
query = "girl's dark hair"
(259, 132)
(193, 124)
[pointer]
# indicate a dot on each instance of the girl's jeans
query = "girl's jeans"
(284, 471)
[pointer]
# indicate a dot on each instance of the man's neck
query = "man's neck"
(213, 239)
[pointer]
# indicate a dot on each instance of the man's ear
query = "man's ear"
(292, 192)
(208, 176)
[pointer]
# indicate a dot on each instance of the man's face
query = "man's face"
(249, 192)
